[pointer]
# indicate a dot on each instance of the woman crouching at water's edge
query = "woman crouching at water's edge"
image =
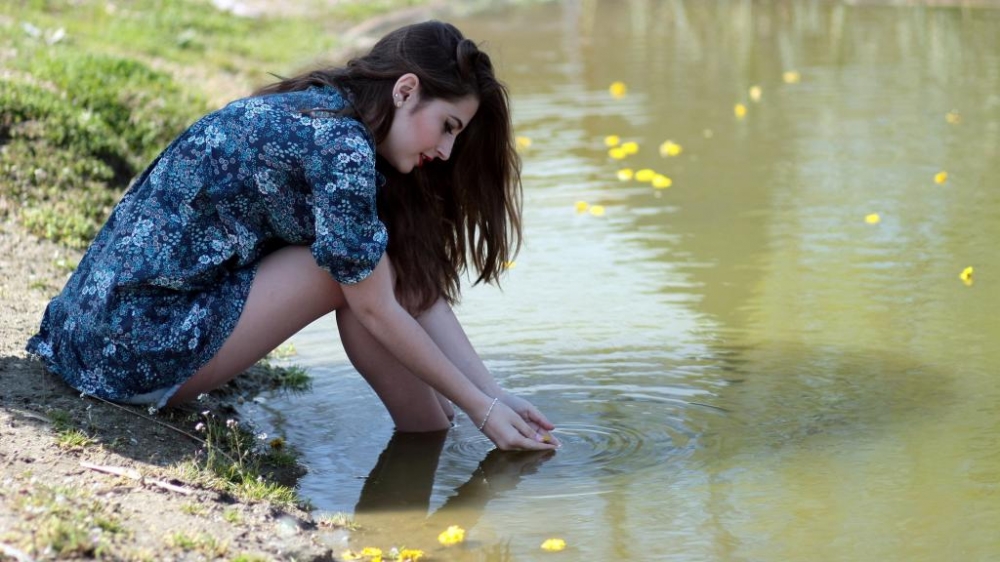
(365, 189)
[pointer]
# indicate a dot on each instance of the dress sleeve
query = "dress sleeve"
(350, 238)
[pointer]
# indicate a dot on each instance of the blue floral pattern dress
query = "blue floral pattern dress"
(164, 282)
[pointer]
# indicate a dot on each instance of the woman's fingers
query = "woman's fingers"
(535, 415)
(527, 410)
(509, 431)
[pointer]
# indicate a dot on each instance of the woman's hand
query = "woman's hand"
(510, 432)
(515, 423)
(532, 415)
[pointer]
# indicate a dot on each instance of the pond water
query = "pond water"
(740, 366)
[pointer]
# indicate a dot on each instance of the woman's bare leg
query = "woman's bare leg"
(288, 292)
(412, 403)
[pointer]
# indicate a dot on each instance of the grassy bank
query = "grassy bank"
(91, 91)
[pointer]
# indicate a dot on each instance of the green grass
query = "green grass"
(231, 515)
(74, 439)
(239, 460)
(92, 91)
(193, 508)
(249, 558)
(74, 129)
(293, 378)
(68, 435)
(339, 521)
(67, 522)
(203, 543)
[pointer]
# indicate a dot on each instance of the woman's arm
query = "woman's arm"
(440, 322)
(374, 303)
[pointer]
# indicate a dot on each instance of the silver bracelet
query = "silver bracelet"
(488, 412)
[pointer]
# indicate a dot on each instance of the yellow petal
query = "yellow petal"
(597, 210)
(941, 177)
(661, 181)
(522, 142)
(410, 555)
(618, 90)
(452, 535)
(966, 276)
(645, 174)
(618, 153)
(582, 206)
(791, 77)
(612, 140)
(739, 110)
(630, 147)
(371, 552)
(953, 117)
(872, 218)
(553, 545)
(755, 93)
(625, 174)
(509, 264)
(670, 148)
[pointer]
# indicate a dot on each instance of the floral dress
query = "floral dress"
(165, 280)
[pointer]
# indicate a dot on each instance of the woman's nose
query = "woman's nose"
(445, 146)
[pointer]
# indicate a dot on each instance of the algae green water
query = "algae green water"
(748, 364)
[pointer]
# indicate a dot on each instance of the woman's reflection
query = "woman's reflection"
(396, 496)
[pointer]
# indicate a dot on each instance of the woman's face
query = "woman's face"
(421, 133)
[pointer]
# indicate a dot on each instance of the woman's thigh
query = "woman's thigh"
(289, 291)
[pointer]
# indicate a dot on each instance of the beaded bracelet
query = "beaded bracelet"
(488, 412)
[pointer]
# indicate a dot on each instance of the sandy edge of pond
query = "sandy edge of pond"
(166, 514)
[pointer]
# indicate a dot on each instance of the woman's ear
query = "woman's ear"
(406, 87)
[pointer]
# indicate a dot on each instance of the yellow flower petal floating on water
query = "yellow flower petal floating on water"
(372, 554)
(740, 111)
(966, 276)
(661, 181)
(597, 210)
(625, 174)
(645, 174)
(618, 153)
(618, 90)
(553, 545)
(582, 206)
(953, 117)
(452, 535)
(612, 140)
(755, 93)
(409, 555)
(670, 148)
(941, 177)
(522, 142)
(791, 77)
(872, 218)
(630, 147)
(509, 264)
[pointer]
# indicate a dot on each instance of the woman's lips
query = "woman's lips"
(422, 160)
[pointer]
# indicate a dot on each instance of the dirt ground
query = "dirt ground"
(127, 491)
(43, 479)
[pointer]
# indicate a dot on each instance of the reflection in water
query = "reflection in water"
(395, 500)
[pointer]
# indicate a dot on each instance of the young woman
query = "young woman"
(366, 190)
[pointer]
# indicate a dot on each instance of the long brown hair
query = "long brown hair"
(446, 213)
